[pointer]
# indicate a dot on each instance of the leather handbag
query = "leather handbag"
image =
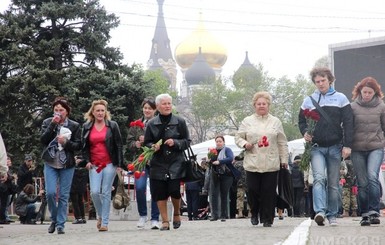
(194, 172)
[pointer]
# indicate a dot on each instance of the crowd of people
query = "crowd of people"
(347, 149)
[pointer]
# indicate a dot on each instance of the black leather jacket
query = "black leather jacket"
(113, 142)
(168, 161)
(49, 131)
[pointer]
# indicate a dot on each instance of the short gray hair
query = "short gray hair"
(160, 97)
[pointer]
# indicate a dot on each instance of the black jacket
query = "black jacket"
(50, 130)
(24, 177)
(22, 201)
(168, 161)
(113, 143)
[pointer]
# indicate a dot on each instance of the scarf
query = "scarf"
(222, 154)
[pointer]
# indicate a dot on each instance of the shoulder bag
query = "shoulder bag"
(194, 172)
(121, 199)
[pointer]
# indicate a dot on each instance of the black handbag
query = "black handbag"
(285, 189)
(194, 172)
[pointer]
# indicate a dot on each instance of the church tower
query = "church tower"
(161, 56)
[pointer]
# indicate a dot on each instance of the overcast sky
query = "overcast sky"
(287, 37)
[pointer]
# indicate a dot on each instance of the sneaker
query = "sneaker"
(333, 221)
(365, 221)
(374, 220)
(142, 221)
(319, 219)
(154, 225)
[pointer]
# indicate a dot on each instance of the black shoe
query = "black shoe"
(267, 224)
(374, 220)
(52, 227)
(60, 230)
(78, 221)
(223, 220)
(254, 220)
(213, 219)
(365, 221)
(4, 222)
(84, 221)
(10, 221)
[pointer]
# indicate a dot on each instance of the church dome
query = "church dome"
(200, 71)
(214, 52)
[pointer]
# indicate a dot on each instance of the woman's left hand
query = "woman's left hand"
(169, 142)
(216, 162)
(119, 169)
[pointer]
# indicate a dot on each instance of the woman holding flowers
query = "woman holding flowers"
(135, 139)
(221, 159)
(368, 146)
(331, 139)
(103, 155)
(265, 144)
(167, 164)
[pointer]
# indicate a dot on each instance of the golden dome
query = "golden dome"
(214, 52)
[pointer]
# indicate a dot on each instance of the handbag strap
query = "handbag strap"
(190, 154)
(323, 113)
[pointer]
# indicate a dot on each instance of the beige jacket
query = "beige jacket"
(3, 158)
(263, 159)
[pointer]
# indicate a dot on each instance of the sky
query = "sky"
(287, 37)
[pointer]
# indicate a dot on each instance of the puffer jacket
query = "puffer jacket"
(113, 143)
(369, 124)
(168, 162)
(263, 159)
(50, 130)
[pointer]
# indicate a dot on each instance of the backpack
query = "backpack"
(121, 199)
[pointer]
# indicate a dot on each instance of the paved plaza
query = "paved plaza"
(235, 231)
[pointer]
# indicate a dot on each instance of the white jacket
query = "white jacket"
(263, 159)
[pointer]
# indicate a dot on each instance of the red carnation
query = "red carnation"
(137, 174)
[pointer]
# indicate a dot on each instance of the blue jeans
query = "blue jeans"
(367, 167)
(141, 190)
(326, 162)
(60, 179)
(101, 187)
(31, 212)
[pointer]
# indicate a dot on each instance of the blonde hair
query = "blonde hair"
(89, 117)
(262, 94)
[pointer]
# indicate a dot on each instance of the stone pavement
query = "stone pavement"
(234, 231)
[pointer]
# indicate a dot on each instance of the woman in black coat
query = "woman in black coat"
(167, 164)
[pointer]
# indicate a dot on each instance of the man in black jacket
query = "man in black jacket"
(25, 173)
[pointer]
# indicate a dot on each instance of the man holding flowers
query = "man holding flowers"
(328, 138)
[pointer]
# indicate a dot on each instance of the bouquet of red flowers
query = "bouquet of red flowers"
(139, 164)
(212, 153)
(312, 117)
(137, 123)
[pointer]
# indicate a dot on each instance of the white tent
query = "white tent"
(296, 147)
(201, 149)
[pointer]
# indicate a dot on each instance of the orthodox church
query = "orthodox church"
(200, 57)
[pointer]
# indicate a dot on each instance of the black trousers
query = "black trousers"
(262, 194)
(78, 205)
(192, 197)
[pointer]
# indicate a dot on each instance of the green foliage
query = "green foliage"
(60, 48)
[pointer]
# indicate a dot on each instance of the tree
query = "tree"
(60, 48)
(287, 98)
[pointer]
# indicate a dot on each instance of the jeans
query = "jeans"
(141, 190)
(326, 163)
(31, 212)
(61, 180)
(367, 167)
(101, 187)
(219, 195)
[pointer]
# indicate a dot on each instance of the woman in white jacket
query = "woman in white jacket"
(265, 144)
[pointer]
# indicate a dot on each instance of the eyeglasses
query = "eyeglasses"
(149, 101)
